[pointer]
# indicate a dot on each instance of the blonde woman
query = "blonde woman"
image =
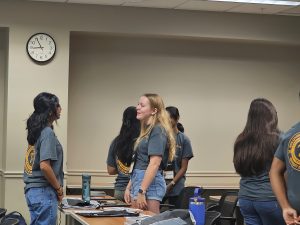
(154, 147)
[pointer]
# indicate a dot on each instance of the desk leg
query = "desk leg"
(68, 219)
(71, 221)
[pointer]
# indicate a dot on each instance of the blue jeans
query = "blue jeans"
(261, 212)
(42, 203)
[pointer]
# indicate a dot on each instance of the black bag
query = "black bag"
(14, 215)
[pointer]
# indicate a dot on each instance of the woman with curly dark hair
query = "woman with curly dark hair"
(43, 171)
(254, 150)
(121, 150)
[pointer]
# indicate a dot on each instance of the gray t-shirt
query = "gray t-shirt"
(123, 171)
(257, 188)
(47, 147)
(288, 151)
(183, 151)
(154, 144)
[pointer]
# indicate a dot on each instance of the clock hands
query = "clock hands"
(39, 44)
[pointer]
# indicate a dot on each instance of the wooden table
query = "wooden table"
(74, 219)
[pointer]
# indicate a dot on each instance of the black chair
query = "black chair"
(2, 212)
(9, 221)
(184, 197)
(226, 207)
(212, 217)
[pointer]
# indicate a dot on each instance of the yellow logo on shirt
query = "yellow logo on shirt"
(29, 159)
(122, 168)
(294, 151)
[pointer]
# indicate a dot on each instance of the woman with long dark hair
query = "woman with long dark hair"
(121, 150)
(254, 149)
(176, 171)
(43, 171)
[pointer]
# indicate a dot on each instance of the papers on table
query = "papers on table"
(67, 203)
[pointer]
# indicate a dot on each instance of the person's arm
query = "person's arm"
(187, 154)
(51, 178)
(181, 172)
(127, 197)
(279, 188)
(111, 160)
(148, 178)
(111, 170)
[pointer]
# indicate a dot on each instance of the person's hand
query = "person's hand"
(127, 197)
(141, 201)
(60, 198)
(297, 220)
(169, 187)
(290, 216)
(60, 194)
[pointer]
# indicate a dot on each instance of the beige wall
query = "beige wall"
(3, 75)
(234, 58)
(211, 81)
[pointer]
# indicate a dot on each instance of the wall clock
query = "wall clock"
(41, 47)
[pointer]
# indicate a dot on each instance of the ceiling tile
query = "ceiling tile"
(154, 3)
(98, 2)
(203, 5)
(207, 5)
(259, 8)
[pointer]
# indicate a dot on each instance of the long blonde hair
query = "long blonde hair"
(160, 117)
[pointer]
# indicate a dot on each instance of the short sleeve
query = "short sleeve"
(187, 149)
(157, 142)
(48, 145)
(111, 159)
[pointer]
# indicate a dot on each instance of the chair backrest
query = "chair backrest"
(228, 203)
(2, 212)
(212, 217)
(184, 197)
(9, 221)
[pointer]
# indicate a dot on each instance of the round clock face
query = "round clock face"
(41, 47)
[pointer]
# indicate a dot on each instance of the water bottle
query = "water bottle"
(86, 188)
(197, 207)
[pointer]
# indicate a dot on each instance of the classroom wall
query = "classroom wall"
(211, 81)
(206, 30)
(3, 74)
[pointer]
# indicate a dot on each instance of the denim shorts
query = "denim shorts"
(156, 190)
(42, 203)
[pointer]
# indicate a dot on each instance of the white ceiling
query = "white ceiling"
(201, 5)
